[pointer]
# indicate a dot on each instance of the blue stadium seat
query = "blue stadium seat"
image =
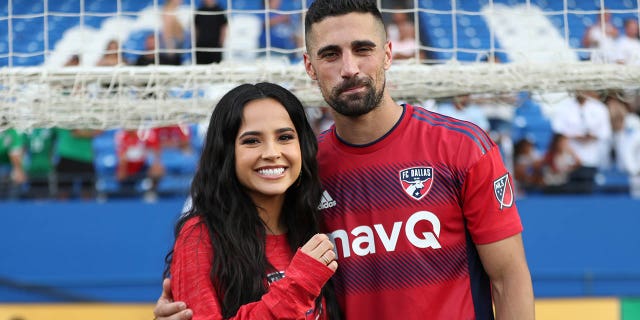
(136, 5)
(174, 185)
(529, 122)
(612, 181)
(102, 6)
(105, 142)
(178, 162)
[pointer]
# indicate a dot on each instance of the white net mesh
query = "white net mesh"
(540, 41)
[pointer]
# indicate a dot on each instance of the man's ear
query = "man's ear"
(388, 55)
(308, 67)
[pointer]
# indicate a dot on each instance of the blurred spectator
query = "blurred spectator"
(585, 121)
(74, 60)
(149, 57)
(12, 174)
(39, 163)
(211, 29)
(626, 131)
(281, 31)
(75, 162)
(172, 34)
(601, 38)
(406, 46)
(111, 56)
(527, 167)
(174, 137)
(628, 44)
(397, 18)
(138, 161)
(463, 109)
(560, 166)
(320, 119)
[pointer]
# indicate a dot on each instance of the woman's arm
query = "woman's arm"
(289, 297)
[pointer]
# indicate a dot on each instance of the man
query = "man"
(211, 28)
(585, 120)
(419, 205)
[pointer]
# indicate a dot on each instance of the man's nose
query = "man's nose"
(349, 66)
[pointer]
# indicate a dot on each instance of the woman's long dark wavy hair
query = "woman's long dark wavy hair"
(237, 233)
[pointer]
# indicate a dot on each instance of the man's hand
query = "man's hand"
(167, 309)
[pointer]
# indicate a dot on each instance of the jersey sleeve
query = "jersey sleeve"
(17, 142)
(489, 201)
(288, 298)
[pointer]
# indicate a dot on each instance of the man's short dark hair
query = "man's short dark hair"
(321, 9)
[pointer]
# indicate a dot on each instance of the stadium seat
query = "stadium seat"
(612, 181)
(178, 162)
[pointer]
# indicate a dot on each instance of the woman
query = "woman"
(559, 163)
(254, 203)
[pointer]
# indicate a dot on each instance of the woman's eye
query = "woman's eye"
(287, 137)
(249, 141)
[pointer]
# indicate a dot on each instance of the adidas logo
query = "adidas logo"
(326, 202)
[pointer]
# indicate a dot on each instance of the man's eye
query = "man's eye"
(329, 55)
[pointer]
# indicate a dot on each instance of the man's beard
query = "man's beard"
(357, 104)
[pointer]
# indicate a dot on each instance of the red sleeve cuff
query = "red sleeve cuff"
(308, 272)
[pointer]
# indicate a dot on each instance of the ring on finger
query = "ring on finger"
(325, 259)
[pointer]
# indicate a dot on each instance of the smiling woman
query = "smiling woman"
(268, 156)
(249, 247)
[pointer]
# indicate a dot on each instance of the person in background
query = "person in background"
(177, 137)
(248, 247)
(280, 31)
(419, 201)
(463, 109)
(626, 129)
(628, 44)
(211, 29)
(139, 158)
(172, 33)
(74, 149)
(40, 155)
(398, 18)
(601, 38)
(111, 56)
(406, 47)
(12, 173)
(585, 121)
(527, 164)
(149, 57)
(559, 164)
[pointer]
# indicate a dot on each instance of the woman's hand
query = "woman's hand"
(320, 248)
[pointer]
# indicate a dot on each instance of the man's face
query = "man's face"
(631, 29)
(348, 56)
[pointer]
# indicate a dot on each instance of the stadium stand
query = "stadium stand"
(460, 32)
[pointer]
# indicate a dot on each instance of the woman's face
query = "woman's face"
(267, 150)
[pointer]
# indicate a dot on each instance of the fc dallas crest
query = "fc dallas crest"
(417, 181)
(503, 191)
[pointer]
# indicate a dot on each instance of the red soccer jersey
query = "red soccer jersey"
(406, 212)
(173, 136)
(292, 290)
(135, 148)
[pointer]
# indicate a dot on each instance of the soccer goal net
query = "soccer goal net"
(54, 69)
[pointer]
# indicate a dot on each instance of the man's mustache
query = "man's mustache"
(352, 83)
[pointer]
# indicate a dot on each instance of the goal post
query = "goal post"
(538, 41)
